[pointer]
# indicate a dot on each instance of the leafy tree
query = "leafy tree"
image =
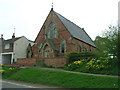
(101, 46)
(108, 44)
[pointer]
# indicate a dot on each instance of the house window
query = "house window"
(7, 46)
(76, 47)
(55, 33)
(63, 46)
(80, 48)
(70, 38)
(85, 49)
(39, 45)
(48, 34)
(52, 31)
(90, 49)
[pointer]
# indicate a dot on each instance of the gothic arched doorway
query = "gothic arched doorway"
(46, 51)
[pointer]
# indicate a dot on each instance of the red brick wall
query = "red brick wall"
(56, 62)
(26, 62)
(63, 33)
(71, 45)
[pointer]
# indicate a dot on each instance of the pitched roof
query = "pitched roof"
(10, 42)
(75, 30)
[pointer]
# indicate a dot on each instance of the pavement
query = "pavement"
(8, 84)
(21, 84)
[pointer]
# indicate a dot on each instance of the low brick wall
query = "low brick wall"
(56, 62)
(26, 62)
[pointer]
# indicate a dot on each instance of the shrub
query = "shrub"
(102, 65)
(79, 56)
(75, 65)
(98, 64)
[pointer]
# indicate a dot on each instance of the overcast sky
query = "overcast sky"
(28, 16)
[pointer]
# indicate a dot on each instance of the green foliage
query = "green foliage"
(102, 65)
(99, 64)
(8, 71)
(79, 56)
(108, 44)
(64, 79)
(75, 65)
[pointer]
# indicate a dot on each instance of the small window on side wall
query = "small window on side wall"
(39, 45)
(77, 47)
(7, 46)
(63, 46)
(55, 33)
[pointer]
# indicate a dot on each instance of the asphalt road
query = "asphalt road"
(6, 84)
(9, 85)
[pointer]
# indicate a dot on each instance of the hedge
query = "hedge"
(79, 56)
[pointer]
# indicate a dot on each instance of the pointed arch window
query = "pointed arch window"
(55, 33)
(63, 46)
(77, 47)
(40, 45)
(48, 34)
(52, 31)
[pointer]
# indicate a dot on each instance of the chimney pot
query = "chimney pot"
(13, 36)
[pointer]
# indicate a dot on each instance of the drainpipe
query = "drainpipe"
(1, 45)
(12, 59)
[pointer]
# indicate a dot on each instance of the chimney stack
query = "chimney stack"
(13, 36)
(1, 35)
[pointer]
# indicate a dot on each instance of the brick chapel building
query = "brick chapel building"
(59, 36)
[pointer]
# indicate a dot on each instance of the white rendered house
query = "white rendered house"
(14, 48)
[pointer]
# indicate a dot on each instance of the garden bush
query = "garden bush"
(102, 65)
(98, 64)
(75, 65)
(79, 56)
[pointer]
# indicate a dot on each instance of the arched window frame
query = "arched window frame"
(52, 31)
(80, 48)
(55, 33)
(39, 46)
(77, 47)
(85, 49)
(63, 46)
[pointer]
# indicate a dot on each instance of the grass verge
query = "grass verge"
(64, 79)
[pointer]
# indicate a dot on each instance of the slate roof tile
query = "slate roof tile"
(75, 30)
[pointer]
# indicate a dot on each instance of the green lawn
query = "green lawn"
(64, 79)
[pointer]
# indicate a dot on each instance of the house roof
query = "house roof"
(75, 30)
(10, 42)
